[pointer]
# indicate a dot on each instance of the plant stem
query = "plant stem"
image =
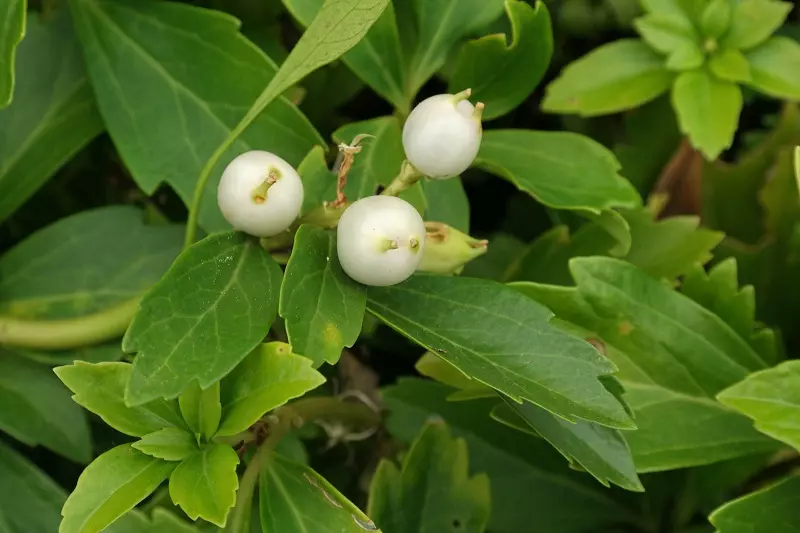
(68, 333)
(406, 179)
(292, 416)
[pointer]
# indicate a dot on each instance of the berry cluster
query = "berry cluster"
(380, 239)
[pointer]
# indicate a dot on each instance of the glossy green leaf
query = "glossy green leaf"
(204, 484)
(730, 64)
(162, 521)
(201, 409)
(433, 490)
(615, 77)
(716, 18)
(53, 114)
(447, 202)
(319, 183)
(493, 342)
(378, 162)
(718, 291)
(772, 399)
(500, 73)
(687, 56)
(295, 499)
(708, 110)
(31, 500)
(323, 308)
(100, 388)
(670, 246)
(677, 430)
(438, 26)
(666, 32)
(85, 263)
(673, 356)
(36, 409)
(12, 20)
(775, 68)
(775, 508)
(560, 169)
(170, 444)
(377, 58)
(268, 378)
(111, 486)
(599, 450)
(435, 367)
(525, 472)
(191, 72)
(753, 21)
(212, 308)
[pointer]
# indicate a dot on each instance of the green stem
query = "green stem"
(406, 179)
(68, 333)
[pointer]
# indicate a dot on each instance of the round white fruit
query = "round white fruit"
(442, 136)
(380, 240)
(260, 193)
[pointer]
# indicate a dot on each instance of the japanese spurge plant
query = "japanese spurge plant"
(467, 324)
(701, 51)
(260, 193)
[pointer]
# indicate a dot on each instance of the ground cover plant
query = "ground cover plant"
(405, 266)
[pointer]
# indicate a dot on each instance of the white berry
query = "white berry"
(260, 193)
(380, 240)
(443, 134)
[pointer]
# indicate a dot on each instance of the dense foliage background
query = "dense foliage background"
(648, 200)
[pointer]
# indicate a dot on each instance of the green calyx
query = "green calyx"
(447, 250)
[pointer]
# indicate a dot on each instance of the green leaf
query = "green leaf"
(201, 409)
(322, 306)
(100, 353)
(772, 399)
(442, 371)
(100, 388)
(494, 342)
(433, 490)
(204, 484)
(12, 20)
(85, 263)
(36, 409)
(319, 183)
(715, 355)
(162, 521)
(678, 430)
(111, 486)
(268, 378)
(377, 58)
(560, 169)
(615, 77)
(718, 291)
(687, 56)
(212, 308)
(673, 356)
(498, 262)
(730, 65)
(716, 18)
(52, 115)
(666, 32)
(601, 451)
(774, 509)
(438, 26)
(31, 500)
(668, 247)
(379, 160)
(501, 74)
(775, 68)
(708, 110)
(190, 71)
(525, 472)
(295, 499)
(753, 22)
(447, 202)
(170, 444)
